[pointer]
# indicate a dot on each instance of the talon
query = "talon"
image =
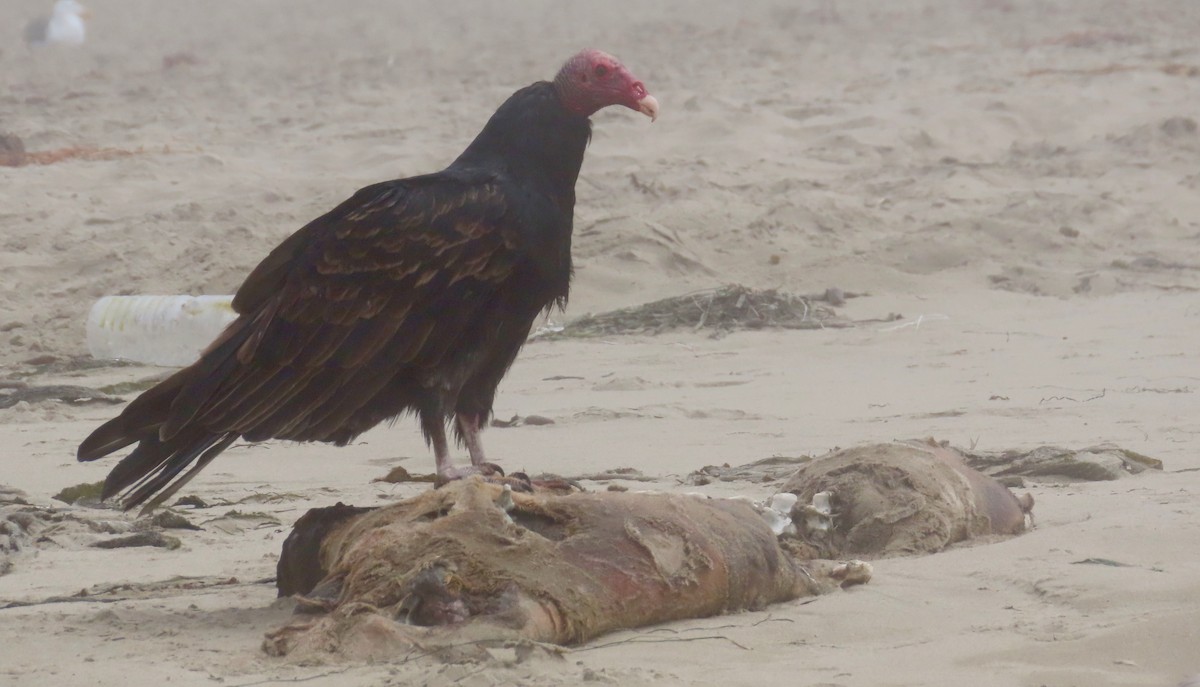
(489, 471)
(519, 481)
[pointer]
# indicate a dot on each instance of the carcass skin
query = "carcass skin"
(904, 498)
(451, 567)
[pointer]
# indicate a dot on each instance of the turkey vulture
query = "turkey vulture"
(414, 295)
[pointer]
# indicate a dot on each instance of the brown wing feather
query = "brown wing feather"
(383, 284)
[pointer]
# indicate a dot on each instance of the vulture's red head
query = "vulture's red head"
(592, 80)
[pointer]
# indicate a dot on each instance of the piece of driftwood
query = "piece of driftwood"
(473, 563)
(899, 498)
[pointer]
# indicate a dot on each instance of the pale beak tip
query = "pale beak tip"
(648, 106)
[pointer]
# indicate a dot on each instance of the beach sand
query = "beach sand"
(1017, 179)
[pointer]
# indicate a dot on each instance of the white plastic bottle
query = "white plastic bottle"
(159, 330)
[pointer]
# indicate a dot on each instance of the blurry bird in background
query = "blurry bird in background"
(65, 25)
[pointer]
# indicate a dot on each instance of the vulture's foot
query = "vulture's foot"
(489, 471)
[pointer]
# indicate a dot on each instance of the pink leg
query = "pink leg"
(441, 455)
(468, 426)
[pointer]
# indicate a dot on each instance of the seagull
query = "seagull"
(64, 25)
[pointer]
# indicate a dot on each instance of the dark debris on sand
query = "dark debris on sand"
(729, 308)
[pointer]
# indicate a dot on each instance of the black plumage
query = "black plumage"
(413, 295)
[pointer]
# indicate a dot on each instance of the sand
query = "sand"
(1016, 178)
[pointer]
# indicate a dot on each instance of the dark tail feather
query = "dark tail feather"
(214, 368)
(148, 486)
(155, 464)
(140, 420)
(159, 422)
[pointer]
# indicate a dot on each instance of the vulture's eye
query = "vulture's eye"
(601, 71)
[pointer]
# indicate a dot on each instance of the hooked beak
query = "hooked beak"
(648, 106)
